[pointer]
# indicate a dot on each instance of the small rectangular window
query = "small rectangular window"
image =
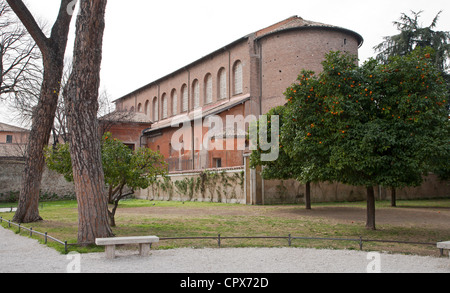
(9, 139)
(217, 163)
(131, 146)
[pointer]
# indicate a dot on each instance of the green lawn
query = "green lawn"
(412, 221)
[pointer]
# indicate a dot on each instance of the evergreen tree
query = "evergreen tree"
(412, 35)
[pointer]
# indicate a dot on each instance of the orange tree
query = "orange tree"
(308, 162)
(377, 124)
(125, 170)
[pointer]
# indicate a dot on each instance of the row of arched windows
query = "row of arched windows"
(173, 103)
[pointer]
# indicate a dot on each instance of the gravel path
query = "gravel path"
(19, 254)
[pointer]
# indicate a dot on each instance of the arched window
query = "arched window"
(132, 110)
(140, 108)
(174, 101)
(208, 89)
(164, 106)
(155, 109)
(147, 107)
(196, 93)
(185, 99)
(222, 84)
(237, 78)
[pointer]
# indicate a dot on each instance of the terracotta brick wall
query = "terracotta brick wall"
(285, 54)
(270, 63)
(128, 133)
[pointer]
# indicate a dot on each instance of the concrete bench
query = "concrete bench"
(144, 242)
(442, 246)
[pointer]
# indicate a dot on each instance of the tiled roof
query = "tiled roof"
(289, 23)
(292, 22)
(206, 111)
(10, 128)
(130, 117)
(298, 22)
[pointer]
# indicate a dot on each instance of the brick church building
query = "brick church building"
(245, 78)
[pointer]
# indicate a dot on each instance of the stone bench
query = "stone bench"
(144, 242)
(442, 246)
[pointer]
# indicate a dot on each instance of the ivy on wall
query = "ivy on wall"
(207, 185)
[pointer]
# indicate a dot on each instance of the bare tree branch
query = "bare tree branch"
(20, 59)
(30, 23)
(53, 51)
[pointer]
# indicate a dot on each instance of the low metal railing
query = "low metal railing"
(219, 238)
(289, 238)
(45, 234)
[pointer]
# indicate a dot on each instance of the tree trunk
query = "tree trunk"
(112, 220)
(81, 109)
(112, 213)
(393, 197)
(42, 122)
(308, 196)
(370, 224)
(53, 51)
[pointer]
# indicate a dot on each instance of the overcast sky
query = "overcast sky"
(145, 40)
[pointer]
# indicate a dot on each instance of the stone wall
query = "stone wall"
(245, 186)
(11, 178)
(225, 185)
(261, 191)
(291, 191)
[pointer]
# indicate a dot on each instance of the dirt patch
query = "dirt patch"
(390, 216)
(401, 216)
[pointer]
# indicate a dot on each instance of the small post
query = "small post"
(45, 237)
(19, 228)
(218, 240)
(31, 231)
(65, 246)
(289, 240)
(9, 224)
(1, 219)
(360, 243)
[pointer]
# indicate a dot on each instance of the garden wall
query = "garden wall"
(245, 186)
(225, 185)
(291, 191)
(240, 185)
(53, 184)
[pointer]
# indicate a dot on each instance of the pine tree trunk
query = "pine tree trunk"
(370, 224)
(81, 110)
(43, 118)
(308, 196)
(53, 52)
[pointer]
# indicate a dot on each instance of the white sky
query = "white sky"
(145, 40)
